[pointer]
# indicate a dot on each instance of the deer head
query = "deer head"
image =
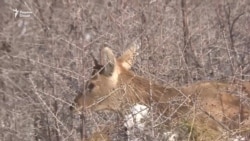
(104, 89)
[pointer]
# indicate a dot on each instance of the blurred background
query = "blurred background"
(45, 57)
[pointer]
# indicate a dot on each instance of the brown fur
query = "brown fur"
(114, 86)
(99, 136)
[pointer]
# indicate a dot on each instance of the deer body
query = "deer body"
(114, 86)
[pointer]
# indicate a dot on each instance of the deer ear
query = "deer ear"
(108, 60)
(128, 57)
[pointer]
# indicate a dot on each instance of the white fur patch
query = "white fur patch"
(171, 136)
(138, 112)
(239, 138)
(114, 77)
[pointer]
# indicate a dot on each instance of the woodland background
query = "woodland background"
(45, 57)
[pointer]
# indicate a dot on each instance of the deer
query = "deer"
(99, 136)
(217, 106)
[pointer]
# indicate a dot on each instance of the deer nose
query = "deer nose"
(72, 107)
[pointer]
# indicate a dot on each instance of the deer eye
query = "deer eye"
(91, 86)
